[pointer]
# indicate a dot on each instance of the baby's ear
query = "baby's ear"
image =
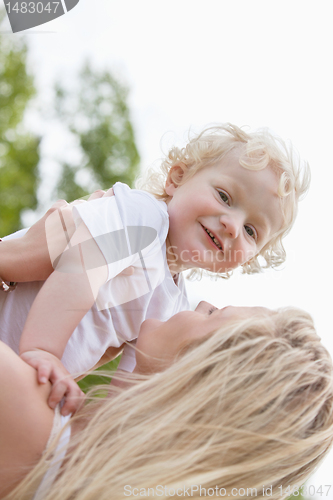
(174, 178)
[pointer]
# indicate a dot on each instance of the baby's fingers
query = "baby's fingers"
(43, 367)
(44, 370)
(58, 391)
(74, 399)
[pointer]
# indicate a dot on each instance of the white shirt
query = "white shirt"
(123, 302)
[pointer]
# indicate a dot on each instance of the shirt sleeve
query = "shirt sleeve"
(104, 223)
(128, 361)
(130, 229)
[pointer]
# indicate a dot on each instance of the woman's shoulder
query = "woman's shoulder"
(25, 418)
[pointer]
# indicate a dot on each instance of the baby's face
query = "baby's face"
(222, 216)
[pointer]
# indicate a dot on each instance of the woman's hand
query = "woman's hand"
(45, 240)
(50, 368)
(43, 247)
(30, 257)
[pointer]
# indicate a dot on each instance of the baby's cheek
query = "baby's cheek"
(243, 255)
(252, 254)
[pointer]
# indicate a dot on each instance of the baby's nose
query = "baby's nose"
(231, 224)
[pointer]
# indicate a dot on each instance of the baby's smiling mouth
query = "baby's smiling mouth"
(213, 238)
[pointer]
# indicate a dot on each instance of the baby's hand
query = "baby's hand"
(49, 367)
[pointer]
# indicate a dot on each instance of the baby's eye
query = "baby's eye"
(224, 197)
(251, 232)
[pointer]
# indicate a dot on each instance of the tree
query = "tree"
(94, 113)
(19, 154)
(97, 115)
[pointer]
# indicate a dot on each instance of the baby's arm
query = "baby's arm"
(64, 299)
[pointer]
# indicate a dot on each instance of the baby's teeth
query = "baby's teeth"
(214, 239)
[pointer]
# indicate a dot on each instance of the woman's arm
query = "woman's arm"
(31, 257)
(28, 258)
(25, 418)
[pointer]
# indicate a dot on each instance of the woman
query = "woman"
(245, 400)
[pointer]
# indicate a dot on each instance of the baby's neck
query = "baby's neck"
(173, 265)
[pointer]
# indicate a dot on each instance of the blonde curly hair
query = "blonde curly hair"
(260, 149)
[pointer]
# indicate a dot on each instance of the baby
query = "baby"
(223, 201)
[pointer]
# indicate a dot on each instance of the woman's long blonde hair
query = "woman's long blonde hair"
(257, 150)
(250, 406)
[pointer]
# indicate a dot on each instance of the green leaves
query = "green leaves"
(93, 112)
(19, 154)
(18, 180)
(97, 115)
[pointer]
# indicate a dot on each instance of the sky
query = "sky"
(192, 63)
